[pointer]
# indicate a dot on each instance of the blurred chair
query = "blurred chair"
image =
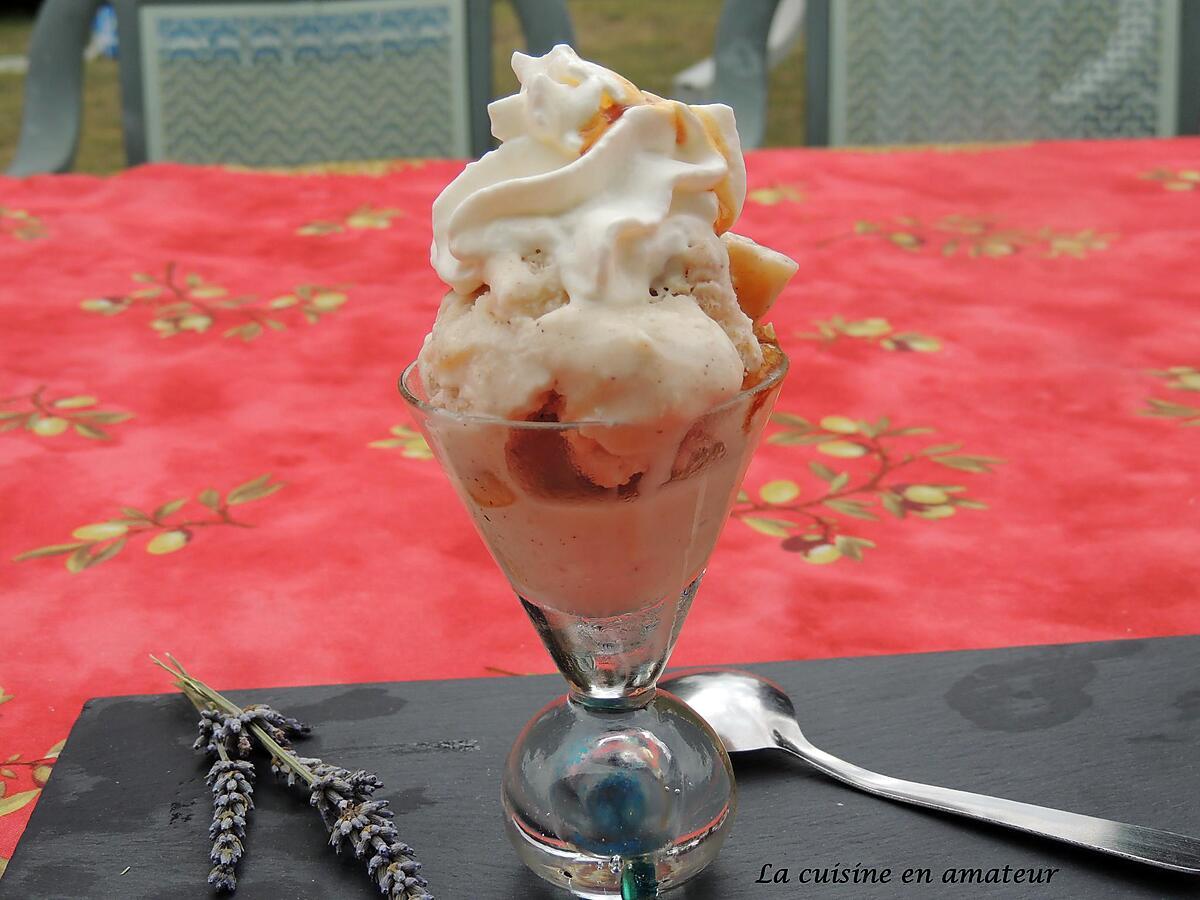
(695, 83)
(277, 82)
(918, 71)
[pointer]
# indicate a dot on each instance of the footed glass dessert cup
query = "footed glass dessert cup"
(616, 789)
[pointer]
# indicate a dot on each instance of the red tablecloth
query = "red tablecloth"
(985, 439)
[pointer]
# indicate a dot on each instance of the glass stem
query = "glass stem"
(638, 881)
(635, 699)
(612, 662)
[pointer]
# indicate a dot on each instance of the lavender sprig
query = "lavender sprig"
(343, 798)
(230, 780)
(357, 821)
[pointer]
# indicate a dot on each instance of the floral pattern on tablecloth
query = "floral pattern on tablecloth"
(852, 475)
(21, 224)
(875, 330)
(983, 236)
(1180, 378)
(171, 526)
(1174, 179)
(186, 301)
(42, 413)
(22, 777)
(364, 218)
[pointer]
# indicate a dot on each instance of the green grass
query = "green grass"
(646, 42)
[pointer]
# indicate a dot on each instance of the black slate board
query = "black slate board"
(1109, 729)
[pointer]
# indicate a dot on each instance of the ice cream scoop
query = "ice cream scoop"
(585, 262)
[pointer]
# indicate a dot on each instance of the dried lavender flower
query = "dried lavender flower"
(225, 735)
(232, 730)
(364, 825)
(232, 790)
(225, 730)
(223, 878)
(282, 728)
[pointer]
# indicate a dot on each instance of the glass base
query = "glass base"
(625, 802)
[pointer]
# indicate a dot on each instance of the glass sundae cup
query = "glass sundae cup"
(616, 789)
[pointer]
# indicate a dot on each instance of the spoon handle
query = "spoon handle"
(1165, 849)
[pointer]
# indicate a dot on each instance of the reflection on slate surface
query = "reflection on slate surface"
(1106, 729)
(1035, 691)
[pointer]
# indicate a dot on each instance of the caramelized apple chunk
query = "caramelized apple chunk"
(758, 273)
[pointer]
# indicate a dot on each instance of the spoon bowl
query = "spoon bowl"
(745, 710)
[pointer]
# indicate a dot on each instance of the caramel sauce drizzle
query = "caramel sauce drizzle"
(680, 124)
(611, 110)
(725, 202)
(605, 117)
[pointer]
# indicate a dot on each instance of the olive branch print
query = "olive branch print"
(1174, 180)
(407, 440)
(190, 303)
(99, 542)
(361, 219)
(875, 330)
(1180, 378)
(982, 236)
(45, 417)
(777, 193)
(38, 769)
(20, 224)
(814, 524)
(39, 772)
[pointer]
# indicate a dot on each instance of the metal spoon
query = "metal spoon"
(749, 712)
